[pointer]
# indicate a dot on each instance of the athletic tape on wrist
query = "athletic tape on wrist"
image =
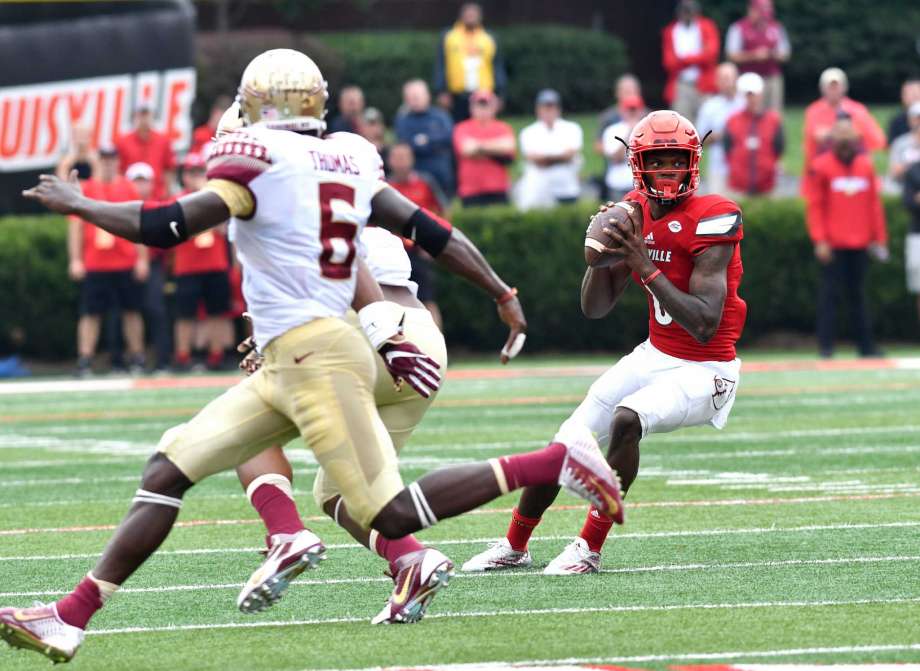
(379, 322)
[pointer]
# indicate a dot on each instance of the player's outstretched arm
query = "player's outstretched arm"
(162, 225)
(454, 251)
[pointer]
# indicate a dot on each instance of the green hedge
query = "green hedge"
(380, 62)
(541, 252)
(874, 42)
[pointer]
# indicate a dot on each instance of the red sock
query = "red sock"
(595, 530)
(276, 508)
(391, 550)
(533, 468)
(80, 605)
(520, 530)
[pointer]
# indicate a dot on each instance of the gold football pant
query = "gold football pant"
(317, 380)
(401, 411)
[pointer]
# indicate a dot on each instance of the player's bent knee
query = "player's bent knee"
(626, 426)
(161, 476)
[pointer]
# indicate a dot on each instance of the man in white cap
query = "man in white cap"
(821, 115)
(753, 140)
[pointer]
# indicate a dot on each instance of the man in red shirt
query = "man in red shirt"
(485, 148)
(690, 52)
(683, 252)
(753, 139)
(201, 266)
(145, 145)
(821, 115)
(846, 223)
(204, 133)
(110, 270)
(424, 192)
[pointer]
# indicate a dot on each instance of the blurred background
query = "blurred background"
(502, 115)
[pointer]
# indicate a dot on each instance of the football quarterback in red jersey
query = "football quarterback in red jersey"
(683, 250)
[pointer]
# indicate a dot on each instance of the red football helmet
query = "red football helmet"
(664, 129)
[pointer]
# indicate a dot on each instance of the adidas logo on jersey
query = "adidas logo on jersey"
(650, 238)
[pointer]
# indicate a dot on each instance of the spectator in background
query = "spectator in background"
(201, 265)
(351, 107)
(141, 176)
(905, 149)
(627, 86)
(846, 224)
(551, 147)
(429, 131)
(145, 145)
(468, 60)
(910, 94)
(373, 129)
(713, 115)
(484, 147)
(821, 115)
(204, 133)
(81, 156)
(424, 192)
(911, 198)
(690, 52)
(110, 270)
(619, 178)
(753, 141)
(758, 43)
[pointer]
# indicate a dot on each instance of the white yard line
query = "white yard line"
(515, 612)
(536, 539)
(835, 561)
(688, 656)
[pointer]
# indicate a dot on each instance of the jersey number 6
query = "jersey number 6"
(337, 235)
(661, 315)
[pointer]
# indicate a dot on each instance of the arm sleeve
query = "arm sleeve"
(711, 44)
(873, 135)
(816, 208)
(721, 223)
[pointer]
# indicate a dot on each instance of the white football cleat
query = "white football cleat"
(574, 559)
(586, 473)
(40, 629)
(289, 556)
(421, 575)
(497, 557)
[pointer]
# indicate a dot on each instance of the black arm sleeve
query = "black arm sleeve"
(163, 226)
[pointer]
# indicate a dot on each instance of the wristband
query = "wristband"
(648, 279)
(379, 322)
(507, 296)
(162, 224)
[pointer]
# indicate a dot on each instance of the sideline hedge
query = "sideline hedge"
(541, 252)
(582, 67)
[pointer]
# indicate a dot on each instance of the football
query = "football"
(595, 238)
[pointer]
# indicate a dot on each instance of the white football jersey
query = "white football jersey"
(386, 258)
(297, 241)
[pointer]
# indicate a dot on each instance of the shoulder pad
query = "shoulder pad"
(239, 157)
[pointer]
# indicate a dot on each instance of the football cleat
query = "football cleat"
(40, 629)
(586, 473)
(575, 558)
(497, 557)
(289, 556)
(421, 575)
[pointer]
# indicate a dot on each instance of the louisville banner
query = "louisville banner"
(92, 71)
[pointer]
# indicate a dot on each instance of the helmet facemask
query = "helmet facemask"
(665, 189)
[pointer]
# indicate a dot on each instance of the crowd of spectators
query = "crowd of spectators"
(450, 145)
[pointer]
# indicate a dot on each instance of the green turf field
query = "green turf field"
(795, 529)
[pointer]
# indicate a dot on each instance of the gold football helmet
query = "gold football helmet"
(283, 89)
(230, 120)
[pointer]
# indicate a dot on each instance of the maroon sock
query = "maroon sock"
(533, 468)
(80, 605)
(276, 509)
(595, 530)
(520, 530)
(391, 550)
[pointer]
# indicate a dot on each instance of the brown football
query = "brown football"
(596, 239)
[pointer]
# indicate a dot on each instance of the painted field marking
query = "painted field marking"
(638, 535)
(782, 563)
(514, 612)
(690, 656)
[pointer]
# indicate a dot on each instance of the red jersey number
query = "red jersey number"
(337, 236)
